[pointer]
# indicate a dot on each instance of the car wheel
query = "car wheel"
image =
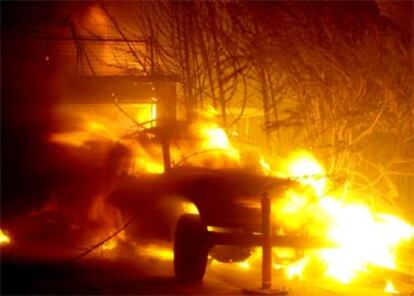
(190, 249)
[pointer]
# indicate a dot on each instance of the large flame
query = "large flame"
(207, 145)
(364, 237)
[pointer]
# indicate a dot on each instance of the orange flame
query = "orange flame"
(4, 238)
(389, 288)
(189, 208)
(363, 236)
(156, 252)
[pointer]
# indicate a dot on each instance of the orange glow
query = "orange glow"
(190, 208)
(244, 265)
(364, 237)
(154, 109)
(304, 167)
(109, 245)
(94, 126)
(295, 270)
(4, 238)
(91, 131)
(253, 261)
(147, 165)
(214, 137)
(156, 252)
(264, 165)
(213, 140)
(389, 288)
(145, 113)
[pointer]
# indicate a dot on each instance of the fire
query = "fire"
(364, 237)
(295, 270)
(214, 138)
(302, 165)
(207, 145)
(91, 131)
(4, 238)
(244, 265)
(109, 245)
(389, 288)
(189, 208)
(156, 252)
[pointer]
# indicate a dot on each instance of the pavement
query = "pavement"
(95, 274)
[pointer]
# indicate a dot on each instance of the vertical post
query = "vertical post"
(166, 157)
(267, 242)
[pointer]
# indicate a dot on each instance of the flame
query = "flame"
(295, 270)
(4, 238)
(146, 113)
(364, 237)
(156, 252)
(244, 265)
(389, 288)
(207, 145)
(91, 131)
(264, 165)
(215, 138)
(109, 245)
(302, 165)
(147, 165)
(153, 110)
(189, 208)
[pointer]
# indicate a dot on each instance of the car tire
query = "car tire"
(190, 249)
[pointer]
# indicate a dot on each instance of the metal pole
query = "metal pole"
(267, 242)
(165, 145)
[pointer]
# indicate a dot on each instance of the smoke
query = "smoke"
(47, 191)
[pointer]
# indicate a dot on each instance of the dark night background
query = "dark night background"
(33, 170)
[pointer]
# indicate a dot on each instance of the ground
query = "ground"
(146, 276)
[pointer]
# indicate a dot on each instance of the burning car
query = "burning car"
(187, 183)
(231, 206)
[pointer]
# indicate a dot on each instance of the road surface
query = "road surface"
(144, 275)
